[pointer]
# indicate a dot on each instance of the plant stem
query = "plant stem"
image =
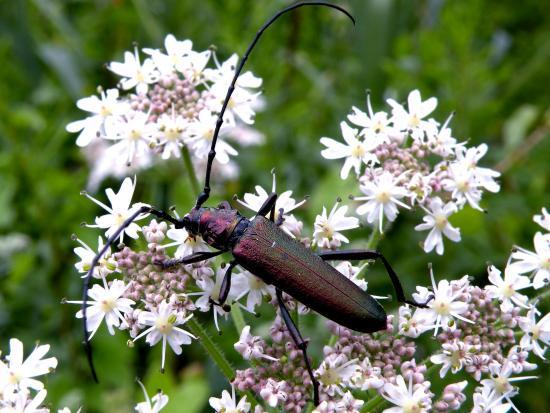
(371, 404)
(190, 170)
(237, 317)
(540, 296)
(211, 348)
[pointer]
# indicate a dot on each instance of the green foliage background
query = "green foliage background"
(486, 60)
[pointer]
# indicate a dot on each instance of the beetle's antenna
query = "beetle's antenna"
(212, 154)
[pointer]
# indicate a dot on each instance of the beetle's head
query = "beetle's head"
(214, 225)
(191, 221)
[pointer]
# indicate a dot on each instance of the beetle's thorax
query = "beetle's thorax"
(214, 225)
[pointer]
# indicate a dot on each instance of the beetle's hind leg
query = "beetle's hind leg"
(373, 255)
(299, 342)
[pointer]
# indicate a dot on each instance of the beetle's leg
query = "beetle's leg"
(298, 341)
(268, 205)
(225, 287)
(189, 259)
(110, 241)
(373, 255)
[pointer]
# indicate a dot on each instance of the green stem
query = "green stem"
(237, 317)
(541, 296)
(371, 404)
(374, 239)
(211, 348)
(190, 170)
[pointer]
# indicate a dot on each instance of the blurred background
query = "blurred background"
(486, 60)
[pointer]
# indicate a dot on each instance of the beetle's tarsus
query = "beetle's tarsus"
(420, 305)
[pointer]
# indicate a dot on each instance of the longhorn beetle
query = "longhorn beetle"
(261, 247)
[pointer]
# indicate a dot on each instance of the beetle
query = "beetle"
(261, 247)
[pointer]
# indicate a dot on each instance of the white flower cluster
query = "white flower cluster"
(405, 160)
(20, 391)
(487, 333)
(169, 101)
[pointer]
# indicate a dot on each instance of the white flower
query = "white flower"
(135, 74)
(543, 220)
(100, 108)
(348, 404)
(106, 265)
(119, 211)
(18, 374)
(22, 401)
(486, 400)
(255, 287)
(454, 356)
(201, 132)
(134, 134)
(163, 322)
(352, 272)
(356, 152)
(506, 289)
(155, 231)
(187, 244)
(440, 140)
(411, 399)
(326, 233)
(382, 196)
(171, 134)
(284, 201)
(242, 100)
(274, 391)
(193, 65)
(463, 185)
(250, 347)
(413, 324)
(517, 360)
(367, 376)
(153, 405)
(412, 118)
(535, 332)
(175, 57)
(500, 381)
(336, 372)
(445, 304)
(227, 403)
(484, 176)
(438, 223)
(376, 126)
(107, 302)
(537, 262)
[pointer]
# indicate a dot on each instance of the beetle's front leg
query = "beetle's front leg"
(225, 288)
(373, 255)
(189, 259)
(298, 341)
